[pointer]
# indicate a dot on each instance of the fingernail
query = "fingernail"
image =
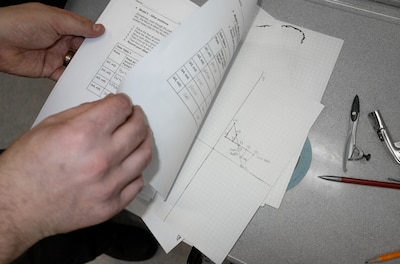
(97, 27)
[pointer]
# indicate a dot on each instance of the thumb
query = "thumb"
(69, 23)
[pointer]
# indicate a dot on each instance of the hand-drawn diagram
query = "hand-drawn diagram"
(239, 141)
(238, 149)
(235, 146)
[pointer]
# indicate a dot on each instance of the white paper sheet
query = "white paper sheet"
(228, 185)
(308, 57)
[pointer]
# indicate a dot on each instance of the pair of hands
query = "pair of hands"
(77, 168)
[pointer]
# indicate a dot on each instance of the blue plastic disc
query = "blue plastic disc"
(303, 164)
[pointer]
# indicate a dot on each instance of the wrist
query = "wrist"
(16, 236)
(12, 240)
(11, 244)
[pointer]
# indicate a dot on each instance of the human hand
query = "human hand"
(34, 38)
(75, 169)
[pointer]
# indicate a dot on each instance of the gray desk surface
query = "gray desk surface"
(320, 221)
(325, 222)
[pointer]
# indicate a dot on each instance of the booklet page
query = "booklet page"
(176, 83)
(133, 28)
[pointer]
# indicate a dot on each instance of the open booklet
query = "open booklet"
(230, 94)
(174, 93)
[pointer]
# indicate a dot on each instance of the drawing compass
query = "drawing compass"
(351, 150)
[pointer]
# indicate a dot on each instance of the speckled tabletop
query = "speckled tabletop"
(328, 222)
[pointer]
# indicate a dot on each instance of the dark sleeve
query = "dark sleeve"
(58, 3)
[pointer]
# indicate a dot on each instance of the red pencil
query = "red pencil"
(361, 181)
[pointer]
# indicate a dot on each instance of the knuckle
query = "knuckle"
(99, 165)
(145, 148)
(122, 102)
(141, 132)
(106, 191)
(80, 144)
(52, 119)
(147, 155)
(139, 182)
(103, 192)
(76, 138)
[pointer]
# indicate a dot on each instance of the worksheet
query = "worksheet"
(176, 83)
